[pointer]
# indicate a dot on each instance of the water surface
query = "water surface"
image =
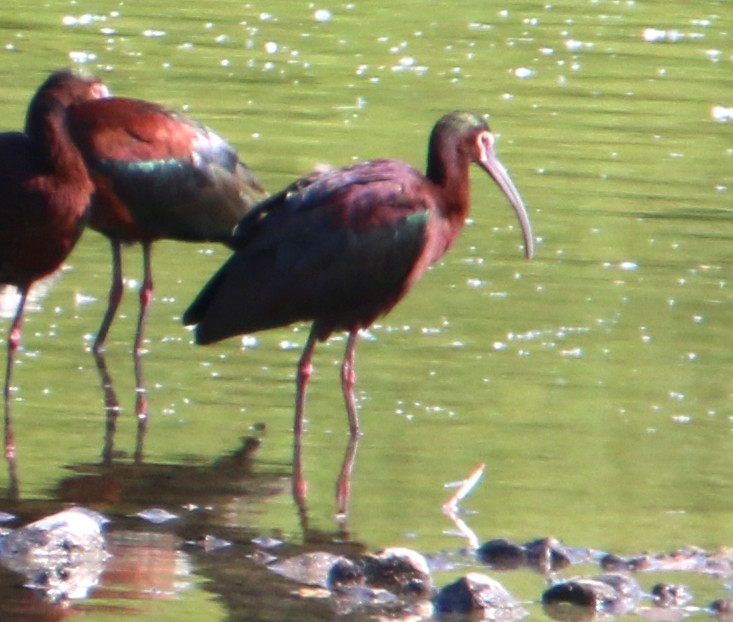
(593, 381)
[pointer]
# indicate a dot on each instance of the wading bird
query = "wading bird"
(342, 248)
(45, 193)
(157, 175)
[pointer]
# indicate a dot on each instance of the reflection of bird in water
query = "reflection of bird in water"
(45, 194)
(344, 247)
(157, 175)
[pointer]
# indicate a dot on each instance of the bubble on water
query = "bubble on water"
(250, 341)
(479, 26)
(713, 55)
(656, 35)
(271, 47)
(81, 56)
(721, 114)
(573, 45)
(322, 15)
(154, 34)
(628, 266)
(82, 20)
(523, 73)
(572, 353)
(499, 345)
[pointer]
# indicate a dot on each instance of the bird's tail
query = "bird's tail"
(197, 310)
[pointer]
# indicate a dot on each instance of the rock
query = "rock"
(477, 593)
(502, 554)
(402, 571)
(309, 568)
(547, 554)
(722, 608)
(61, 555)
(608, 593)
(668, 595)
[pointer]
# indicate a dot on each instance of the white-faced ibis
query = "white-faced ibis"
(343, 247)
(157, 175)
(45, 193)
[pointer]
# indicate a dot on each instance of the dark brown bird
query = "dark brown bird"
(157, 175)
(45, 193)
(342, 248)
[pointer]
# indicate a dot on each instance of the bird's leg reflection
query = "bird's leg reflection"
(300, 486)
(111, 406)
(141, 394)
(348, 379)
(13, 344)
(343, 484)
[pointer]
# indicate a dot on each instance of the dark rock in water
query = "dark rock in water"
(722, 608)
(502, 554)
(345, 573)
(614, 563)
(62, 555)
(385, 580)
(403, 572)
(547, 554)
(308, 568)
(668, 595)
(608, 593)
(478, 594)
(580, 593)
(543, 554)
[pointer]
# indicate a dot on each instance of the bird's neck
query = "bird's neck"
(451, 179)
(46, 127)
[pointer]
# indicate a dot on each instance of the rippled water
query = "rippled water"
(593, 381)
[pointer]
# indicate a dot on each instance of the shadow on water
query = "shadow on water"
(153, 557)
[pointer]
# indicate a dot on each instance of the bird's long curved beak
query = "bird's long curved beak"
(493, 166)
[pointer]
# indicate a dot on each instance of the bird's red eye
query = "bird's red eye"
(485, 143)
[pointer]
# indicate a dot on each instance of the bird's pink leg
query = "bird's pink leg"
(141, 399)
(348, 379)
(14, 337)
(115, 296)
(305, 371)
(111, 403)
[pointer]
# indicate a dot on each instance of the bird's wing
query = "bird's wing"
(339, 247)
(174, 177)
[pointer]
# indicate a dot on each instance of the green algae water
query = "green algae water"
(594, 381)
